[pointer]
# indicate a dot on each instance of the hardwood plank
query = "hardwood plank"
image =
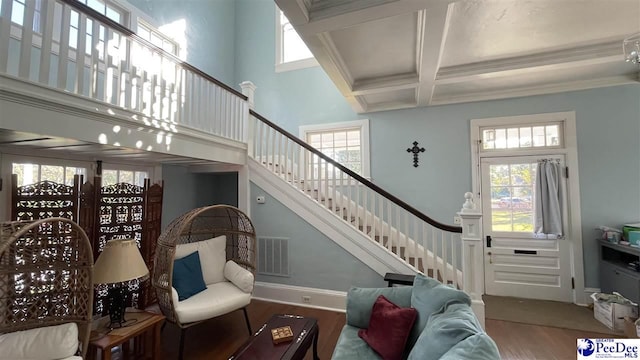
(220, 337)
(518, 341)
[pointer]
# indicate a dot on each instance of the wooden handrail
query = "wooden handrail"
(129, 33)
(369, 184)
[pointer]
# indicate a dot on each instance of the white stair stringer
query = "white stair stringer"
(341, 232)
(396, 238)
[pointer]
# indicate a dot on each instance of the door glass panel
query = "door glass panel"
(512, 197)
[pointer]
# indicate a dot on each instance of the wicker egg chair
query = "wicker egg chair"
(46, 269)
(198, 225)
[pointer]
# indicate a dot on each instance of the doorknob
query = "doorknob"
(490, 259)
(488, 241)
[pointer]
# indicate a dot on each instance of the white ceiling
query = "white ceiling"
(21, 143)
(390, 54)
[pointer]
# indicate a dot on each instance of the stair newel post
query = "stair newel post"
(472, 255)
(249, 89)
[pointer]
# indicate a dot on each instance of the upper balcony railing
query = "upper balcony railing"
(66, 45)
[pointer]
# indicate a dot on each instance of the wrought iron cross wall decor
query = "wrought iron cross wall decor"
(415, 150)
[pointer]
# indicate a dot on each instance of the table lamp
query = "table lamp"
(120, 261)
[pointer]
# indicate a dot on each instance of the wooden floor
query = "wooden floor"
(220, 337)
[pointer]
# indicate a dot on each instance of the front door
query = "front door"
(518, 262)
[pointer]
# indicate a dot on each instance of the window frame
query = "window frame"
(519, 148)
(282, 66)
(362, 124)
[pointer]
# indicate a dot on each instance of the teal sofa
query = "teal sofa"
(445, 328)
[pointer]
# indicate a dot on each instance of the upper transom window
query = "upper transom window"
(522, 137)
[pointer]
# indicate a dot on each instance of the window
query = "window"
(157, 38)
(18, 12)
(512, 186)
(291, 51)
(107, 9)
(111, 177)
(30, 173)
(346, 143)
(522, 137)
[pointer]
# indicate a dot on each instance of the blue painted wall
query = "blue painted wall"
(315, 260)
(608, 129)
(608, 124)
(184, 191)
(209, 31)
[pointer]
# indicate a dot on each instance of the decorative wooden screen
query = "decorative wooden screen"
(127, 211)
(111, 212)
(152, 227)
(45, 199)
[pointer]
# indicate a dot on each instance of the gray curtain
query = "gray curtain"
(548, 199)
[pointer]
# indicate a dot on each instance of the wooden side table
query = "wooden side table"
(146, 328)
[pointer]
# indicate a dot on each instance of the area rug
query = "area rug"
(542, 312)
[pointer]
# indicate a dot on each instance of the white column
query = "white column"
(248, 90)
(472, 255)
(244, 190)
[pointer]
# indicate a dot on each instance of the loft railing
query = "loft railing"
(68, 46)
(426, 244)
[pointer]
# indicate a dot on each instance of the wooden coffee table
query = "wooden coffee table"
(260, 345)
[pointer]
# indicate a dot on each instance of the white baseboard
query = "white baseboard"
(293, 295)
(588, 292)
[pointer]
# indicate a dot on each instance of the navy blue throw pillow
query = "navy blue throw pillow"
(187, 276)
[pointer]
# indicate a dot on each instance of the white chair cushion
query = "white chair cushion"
(45, 343)
(239, 276)
(213, 256)
(216, 300)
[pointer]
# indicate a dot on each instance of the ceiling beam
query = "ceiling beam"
(386, 84)
(295, 10)
(433, 25)
(361, 15)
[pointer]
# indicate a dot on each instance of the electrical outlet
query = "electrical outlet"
(457, 220)
(306, 299)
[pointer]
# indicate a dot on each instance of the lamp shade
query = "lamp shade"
(119, 261)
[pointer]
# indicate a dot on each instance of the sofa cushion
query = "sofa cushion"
(481, 346)
(443, 330)
(350, 346)
(218, 299)
(360, 302)
(430, 296)
(388, 329)
(239, 276)
(212, 257)
(49, 342)
(187, 276)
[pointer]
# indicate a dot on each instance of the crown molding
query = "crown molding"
(585, 54)
(534, 90)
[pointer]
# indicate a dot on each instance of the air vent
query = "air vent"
(273, 256)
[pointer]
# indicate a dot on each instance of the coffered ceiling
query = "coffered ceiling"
(391, 54)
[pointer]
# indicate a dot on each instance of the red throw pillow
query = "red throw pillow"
(389, 328)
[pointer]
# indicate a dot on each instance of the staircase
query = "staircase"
(182, 111)
(386, 222)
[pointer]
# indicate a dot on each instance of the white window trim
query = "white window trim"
(363, 124)
(291, 65)
(570, 151)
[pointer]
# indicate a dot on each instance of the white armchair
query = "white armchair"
(228, 286)
(203, 266)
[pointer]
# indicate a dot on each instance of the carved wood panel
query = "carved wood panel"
(116, 211)
(45, 199)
